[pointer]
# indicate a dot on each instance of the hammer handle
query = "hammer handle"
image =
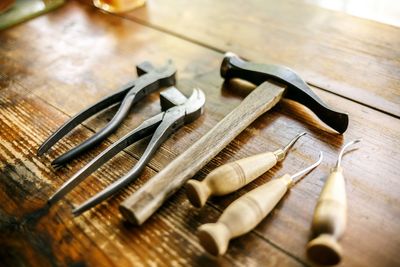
(143, 203)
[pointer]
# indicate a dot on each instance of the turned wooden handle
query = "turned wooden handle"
(144, 202)
(229, 177)
(329, 221)
(242, 215)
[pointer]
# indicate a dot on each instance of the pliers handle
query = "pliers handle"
(163, 125)
(150, 80)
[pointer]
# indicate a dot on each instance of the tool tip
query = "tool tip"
(352, 143)
(77, 211)
(83, 207)
(53, 199)
(50, 201)
(342, 151)
(357, 140)
(292, 142)
(41, 150)
(230, 54)
(56, 166)
(320, 157)
(309, 168)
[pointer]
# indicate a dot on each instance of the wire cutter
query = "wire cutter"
(150, 79)
(177, 111)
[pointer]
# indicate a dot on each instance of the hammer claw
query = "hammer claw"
(297, 89)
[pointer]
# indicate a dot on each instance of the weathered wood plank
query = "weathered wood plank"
(349, 56)
(373, 201)
(32, 234)
(75, 30)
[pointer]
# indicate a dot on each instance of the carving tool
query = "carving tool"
(179, 111)
(233, 176)
(150, 79)
(329, 220)
(242, 215)
(273, 82)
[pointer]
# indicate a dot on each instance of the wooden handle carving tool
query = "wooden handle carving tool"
(233, 176)
(246, 212)
(329, 220)
(138, 207)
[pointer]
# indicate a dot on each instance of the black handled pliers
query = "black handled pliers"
(150, 79)
(178, 110)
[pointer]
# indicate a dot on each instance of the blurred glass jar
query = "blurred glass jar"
(117, 6)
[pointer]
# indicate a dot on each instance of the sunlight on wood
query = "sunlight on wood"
(385, 11)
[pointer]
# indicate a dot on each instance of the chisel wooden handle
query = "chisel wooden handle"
(243, 215)
(329, 221)
(230, 177)
(145, 201)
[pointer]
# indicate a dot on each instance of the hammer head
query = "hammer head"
(297, 90)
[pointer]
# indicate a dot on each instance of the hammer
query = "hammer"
(273, 83)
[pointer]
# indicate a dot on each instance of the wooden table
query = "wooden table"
(53, 66)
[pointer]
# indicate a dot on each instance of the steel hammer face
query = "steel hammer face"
(234, 67)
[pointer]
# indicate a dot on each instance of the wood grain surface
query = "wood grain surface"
(53, 66)
(351, 57)
(143, 203)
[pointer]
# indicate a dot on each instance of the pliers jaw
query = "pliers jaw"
(194, 107)
(191, 108)
(150, 79)
(178, 110)
(146, 67)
